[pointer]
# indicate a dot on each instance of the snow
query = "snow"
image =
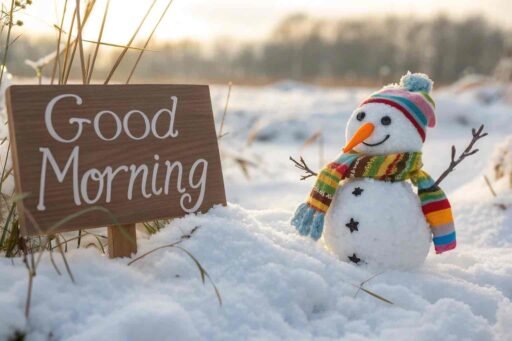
(274, 283)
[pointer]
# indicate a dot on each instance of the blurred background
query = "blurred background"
(368, 42)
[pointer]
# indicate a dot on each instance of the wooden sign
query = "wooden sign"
(141, 151)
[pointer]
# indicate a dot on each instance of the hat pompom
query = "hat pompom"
(416, 82)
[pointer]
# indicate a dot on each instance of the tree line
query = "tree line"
(358, 51)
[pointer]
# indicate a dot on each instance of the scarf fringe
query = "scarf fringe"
(308, 221)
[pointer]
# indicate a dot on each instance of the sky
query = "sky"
(207, 20)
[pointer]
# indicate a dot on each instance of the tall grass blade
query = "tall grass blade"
(96, 49)
(377, 296)
(311, 139)
(147, 42)
(100, 244)
(80, 43)
(15, 39)
(118, 45)
(66, 49)
(6, 48)
(7, 223)
(203, 273)
(52, 260)
(29, 292)
(230, 85)
(75, 215)
(56, 62)
(66, 219)
(88, 10)
(2, 177)
(68, 269)
(121, 56)
(106, 43)
(12, 240)
(79, 239)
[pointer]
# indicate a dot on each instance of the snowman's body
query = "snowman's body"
(377, 223)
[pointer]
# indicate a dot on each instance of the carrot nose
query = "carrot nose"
(361, 134)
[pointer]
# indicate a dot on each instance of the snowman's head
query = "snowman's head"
(394, 119)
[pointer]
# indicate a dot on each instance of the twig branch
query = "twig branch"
(304, 167)
(477, 135)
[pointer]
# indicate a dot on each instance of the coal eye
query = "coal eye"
(360, 116)
(386, 120)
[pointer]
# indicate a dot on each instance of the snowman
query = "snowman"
(364, 203)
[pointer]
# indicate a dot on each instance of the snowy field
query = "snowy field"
(275, 284)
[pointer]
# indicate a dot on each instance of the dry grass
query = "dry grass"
(316, 138)
(62, 60)
(12, 241)
(503, 161)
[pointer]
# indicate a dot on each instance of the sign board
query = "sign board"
(143, 152)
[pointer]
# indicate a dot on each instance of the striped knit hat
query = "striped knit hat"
(411, 97)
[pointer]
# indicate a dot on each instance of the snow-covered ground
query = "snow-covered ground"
(274, 283)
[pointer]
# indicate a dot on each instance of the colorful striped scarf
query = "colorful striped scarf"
(309, 217)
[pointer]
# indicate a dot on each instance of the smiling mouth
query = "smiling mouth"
(376, 144)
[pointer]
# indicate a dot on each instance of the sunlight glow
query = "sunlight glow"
(207, 20)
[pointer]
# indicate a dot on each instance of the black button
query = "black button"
(357, 191)
(352, 225)
(354, 258)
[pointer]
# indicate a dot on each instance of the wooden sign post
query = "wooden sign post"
(142, 152)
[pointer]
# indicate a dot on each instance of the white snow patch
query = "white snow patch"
(274, 285)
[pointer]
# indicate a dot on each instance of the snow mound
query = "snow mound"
(274, 285)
